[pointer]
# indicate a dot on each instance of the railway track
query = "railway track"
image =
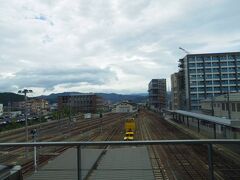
(189, 161)
(109, 134)
(158, 167)
(114, 135)
(173, 158)
(15, 155)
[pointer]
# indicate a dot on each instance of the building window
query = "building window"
(238, 107)
(215, 58)
(233, 107)
(223, 106)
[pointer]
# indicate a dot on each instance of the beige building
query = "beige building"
(34, 106)
(223, 106)
(124, 107)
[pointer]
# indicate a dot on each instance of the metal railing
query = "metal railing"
(80, 144)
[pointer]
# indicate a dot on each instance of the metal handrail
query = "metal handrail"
(79, 144)
(102, 143)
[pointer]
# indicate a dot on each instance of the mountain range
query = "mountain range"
(111, 97)
(8, 97)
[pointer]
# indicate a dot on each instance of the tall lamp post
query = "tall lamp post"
(25, 92)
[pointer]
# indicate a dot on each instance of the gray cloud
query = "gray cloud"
(48, 78)
(107, 45)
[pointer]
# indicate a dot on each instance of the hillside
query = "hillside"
(112, 97)
(5, 98)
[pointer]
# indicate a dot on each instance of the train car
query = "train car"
(129, 129)
(129, 136)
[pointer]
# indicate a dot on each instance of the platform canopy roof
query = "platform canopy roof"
(217, 120)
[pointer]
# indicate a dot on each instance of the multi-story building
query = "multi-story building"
(227, 105)
(33, 106)
(1, 109)
(209, 75)
(177, 91)
(157, 94)
(85, 103)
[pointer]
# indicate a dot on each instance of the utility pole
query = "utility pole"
(34, 134)
(70, 110)
(42, 106)
(25, 92)
(101, 122)
(212, 105)
(228, 105)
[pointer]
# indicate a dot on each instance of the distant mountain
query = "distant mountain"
(52, 98)
(112, 97)
(8, 97)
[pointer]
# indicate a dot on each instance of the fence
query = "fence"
(80, 144)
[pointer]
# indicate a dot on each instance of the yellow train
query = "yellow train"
(129, 129)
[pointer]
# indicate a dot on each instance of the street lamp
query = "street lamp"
(25, 92)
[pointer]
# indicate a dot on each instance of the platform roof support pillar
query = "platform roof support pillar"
(187, 122)
(210, 162)
(79, 164)
(214, 131)
(198, 125)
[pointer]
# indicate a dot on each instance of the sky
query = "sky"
(107, 46)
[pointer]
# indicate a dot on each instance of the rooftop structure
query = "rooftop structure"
(227, 105)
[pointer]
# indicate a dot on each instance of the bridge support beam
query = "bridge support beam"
(79, 164)
(214, 131)
(198, 125)
(210, 162)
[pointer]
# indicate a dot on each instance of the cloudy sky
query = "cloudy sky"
(107, 46)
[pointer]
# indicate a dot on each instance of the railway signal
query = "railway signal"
(25, 92)
(34, 134)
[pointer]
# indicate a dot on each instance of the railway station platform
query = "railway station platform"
(64, 167)
(210, 126)
(124, 163)
(118, 163)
